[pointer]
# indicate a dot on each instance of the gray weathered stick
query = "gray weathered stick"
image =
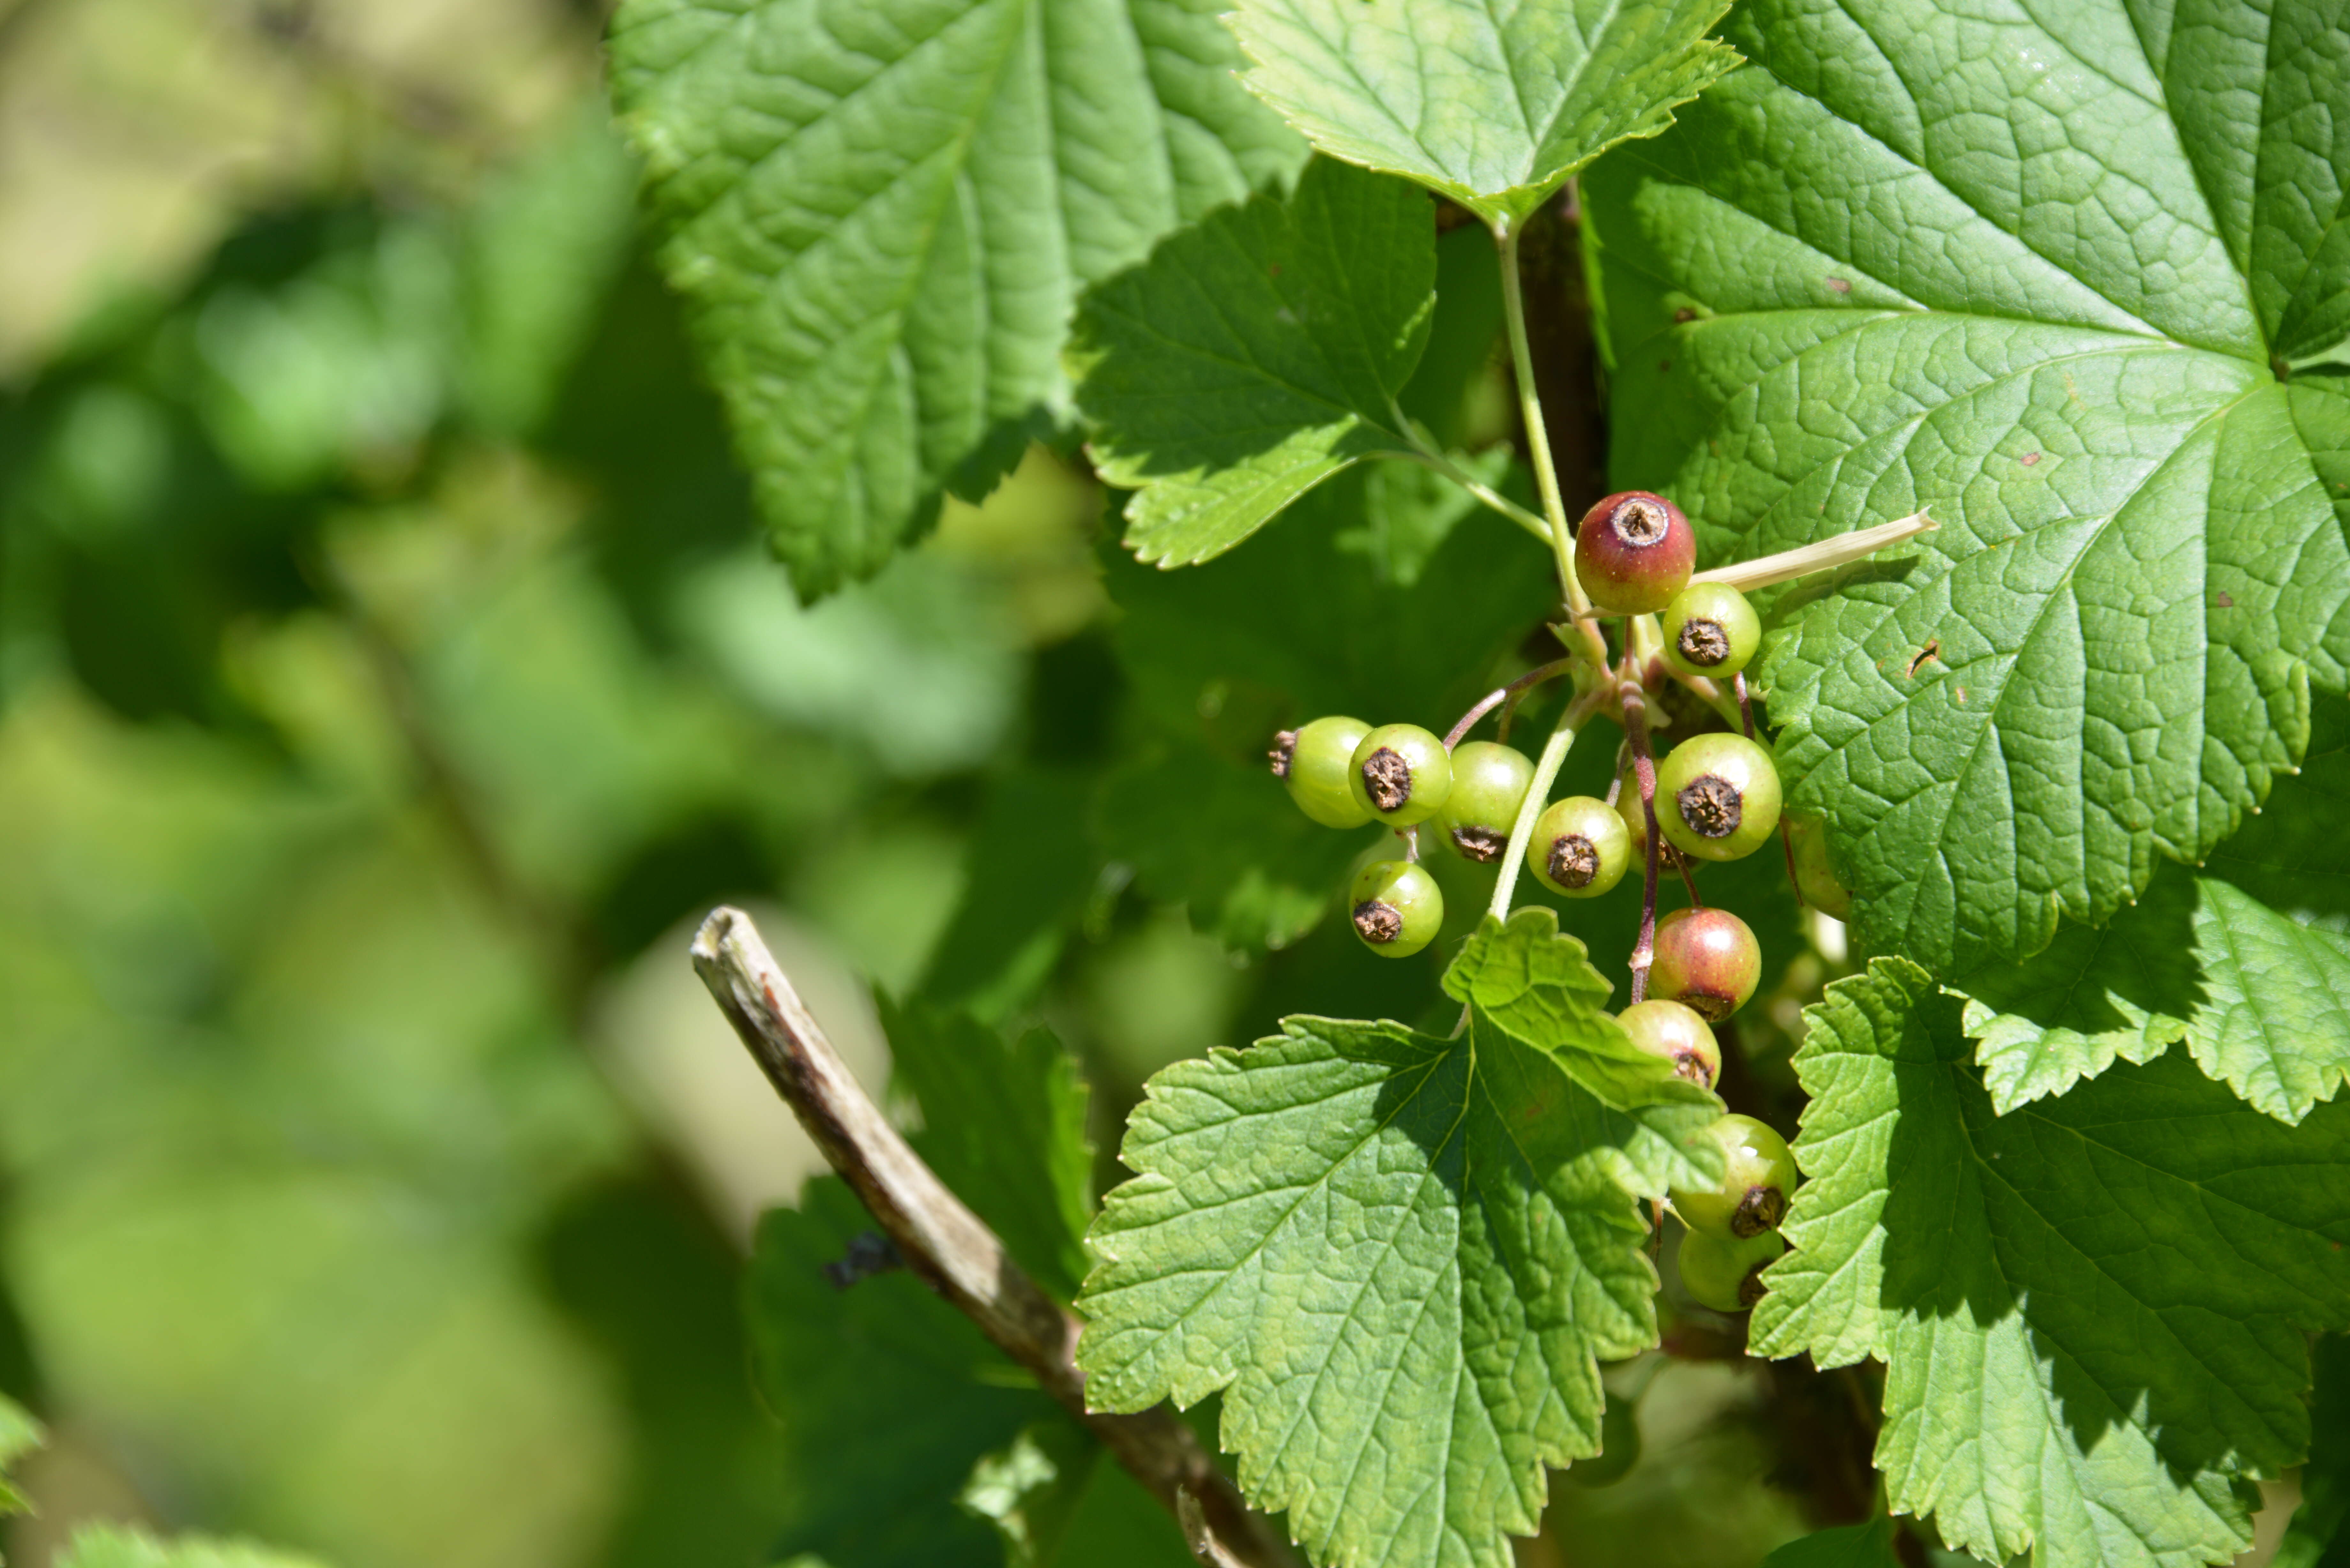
(951, 1248)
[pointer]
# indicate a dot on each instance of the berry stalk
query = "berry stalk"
(1824, 556)
(1495, 698)
(1634, 702)
(1576, 714)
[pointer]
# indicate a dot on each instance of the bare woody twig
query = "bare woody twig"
(952, 1249)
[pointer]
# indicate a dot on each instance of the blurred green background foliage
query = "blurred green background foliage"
(390, 674)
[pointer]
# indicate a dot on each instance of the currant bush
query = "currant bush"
(1488, 784)
(1401, 773)
(1579, 847)
(1718, 797)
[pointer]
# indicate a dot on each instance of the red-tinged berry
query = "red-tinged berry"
(1633, 553)
(1708, 958)
(1727, 1275)
(1718, 797)
(1314, 761)
(1710, 629)
(1396, 908)
(1488, 785)
(1401, 773)
(1579, 847)
(1674, 1031)
(1758, 1178)
(1815, 878)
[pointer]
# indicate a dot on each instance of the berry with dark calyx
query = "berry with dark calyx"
(1488, 785)
(1718, 797)
(1634, 552)
(1396, 908)
(1708, 958)
(1814, 878)
(1710, 629)
(1758, 1178)
(1675, 1032)
(1579, 847)
(1619, 1448)
(1401, 773)
(1314, 761)
(1727, 1275)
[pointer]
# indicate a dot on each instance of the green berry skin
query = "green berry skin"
(1579, 847)
(1710, 629)
(1675, 1032)
(1758, 1178)
(1727, 1275)
(1718, 797)
(1619, 1448)
(1488, 785)
(1314, 761)
(1396, 908)
(1633, 552)
(1708, 958)
(1401, 773)
(1814, 880)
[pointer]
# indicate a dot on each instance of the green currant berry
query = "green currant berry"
(1579, 847)
(1710, 629)
(1488, 785)
(1758, 1177)
(1727, 1275)
(1396, 908)
(1708, 958)
(1619, 1448)
(1814, 878)
(1634, 552)
(1675, 1032)
(1315, 760)
(1401, 773)
(1718, 797)
(1636, 825)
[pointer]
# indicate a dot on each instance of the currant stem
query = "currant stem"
(1429, 457)
(1745, 703)
(1577, 712)
(1824, 556)
(1410, 836)
(1634, 702)
(1499, 694)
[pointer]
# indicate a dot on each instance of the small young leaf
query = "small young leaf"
(1254, 356)
(2093, 1311)
(2080, 310)
(112, 1546)
(2247, 959)
(1402, 1258)
(881, 212)
(1493, 107)
(1867, 1545)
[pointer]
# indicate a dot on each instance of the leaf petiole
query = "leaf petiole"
(1590, 697)
(1426, 455)
(1821, 556)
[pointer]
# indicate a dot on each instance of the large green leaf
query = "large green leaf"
(2316, 1537)
(881, 210)
(1867, 1545)
(1493, 107)
(1256, 355)
(1402, 1256)
(2093, 1311)
(2247, 957)
(2040, 271)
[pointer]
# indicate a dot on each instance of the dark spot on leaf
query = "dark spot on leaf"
(1684, 314)
(2030, 458)
(1274, 269)
(2224, 600)
(1840, 285)
(1663, 366)
(1378, 923)
(1284, 749)
(1933, 650)
(1962, 696)
(1387, 779)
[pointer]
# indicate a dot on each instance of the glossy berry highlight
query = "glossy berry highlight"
(1728, 1275)
(1488, 785)
(1395, 907)
(1633, 553)
(1312, 762)
(1758, 1178)
(1710, 629)
(1718, 797)
(1674, 1031)
(1579, 847)
(1707, 959)
(1401, 773)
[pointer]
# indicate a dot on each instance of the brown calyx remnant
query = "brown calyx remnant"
(1481, 843)
(1387, 779)
(1284, 751)
(1710, 1005)
(1690, 1064)
(1574, 860)
(1640, 523)
(1761, 1210)
(1750, 1289)
(1711, 807)
(1703, 642)
(1378, 923)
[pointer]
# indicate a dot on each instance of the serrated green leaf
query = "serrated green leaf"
(1005, 1128)
(1493, 107)
(2316, 1537)
(2033, 271)
(19, 1435)
(2092, 1311)
(1026, 878)
(1401, 1257)
(1254, 356)
(2246, 959)
(111, 1546)
(1867, 1545)
(881, 210)
(1029, 1490)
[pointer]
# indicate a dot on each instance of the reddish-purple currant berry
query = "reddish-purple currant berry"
(1633, 552)
(1708, 958)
